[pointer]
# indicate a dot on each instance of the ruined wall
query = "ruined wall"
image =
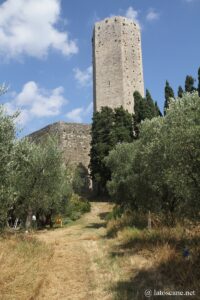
(117, 63)
(74, 140)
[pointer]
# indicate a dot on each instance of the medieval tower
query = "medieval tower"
(117, 63)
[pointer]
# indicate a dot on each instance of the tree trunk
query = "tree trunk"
(29, 219)
(149, 220)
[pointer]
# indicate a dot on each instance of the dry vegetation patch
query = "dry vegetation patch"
(154, 259)
(23, 262)
(82, 261)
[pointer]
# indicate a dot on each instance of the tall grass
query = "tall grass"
(23, 261)
(164, 248)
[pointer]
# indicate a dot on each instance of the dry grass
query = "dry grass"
(23, 261)
(73, 272)
(154, 259)
(88, 264)
(126, 220)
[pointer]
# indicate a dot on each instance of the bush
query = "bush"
(80, 204)
(76, 206)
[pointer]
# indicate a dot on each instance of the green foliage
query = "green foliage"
(111, 128)
(144, 108)
(123, 126)
(160, 171)
(81, 183)
(3, 89)
(39, 179)
(180, 92)
(32, 177)
(189, 84)
(108, 128)
(116, 213)
(7, 140)
(183, 144)
(80, 204)
(169, 93)
(158, 112)
(76, 206)
(120, 162)
(152, 109)
(139, 111)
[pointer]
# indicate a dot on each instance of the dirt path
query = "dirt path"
(73, 272)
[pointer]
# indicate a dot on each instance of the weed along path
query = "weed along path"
(73, 271)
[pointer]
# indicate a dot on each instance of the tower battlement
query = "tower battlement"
(117, 63)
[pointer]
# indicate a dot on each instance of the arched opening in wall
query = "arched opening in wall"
(81, 181)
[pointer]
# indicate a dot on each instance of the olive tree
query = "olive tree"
(161, 171)
(7, 140)
(39, 178)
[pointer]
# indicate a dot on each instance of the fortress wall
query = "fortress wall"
(74, 140)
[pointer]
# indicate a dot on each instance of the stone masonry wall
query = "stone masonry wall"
(74, 140)
(117, 63)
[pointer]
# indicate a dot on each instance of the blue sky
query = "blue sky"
(46, 55)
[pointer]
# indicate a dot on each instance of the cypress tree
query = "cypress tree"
(144, 108)
(108, 128)
(150, 109)
(158, 112)
(139, 112)
(169, 93)
(189, 84)
(123, 127)
(180, 92)
(102, 142)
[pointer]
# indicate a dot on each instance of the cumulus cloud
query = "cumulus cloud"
(77, 114)
(84, 77)
(28, 27)
(36, 102)
(132, 14)
(23, 116)
(152, 15)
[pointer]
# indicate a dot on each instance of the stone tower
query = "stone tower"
(117, 63)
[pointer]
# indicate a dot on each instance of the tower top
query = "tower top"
(119, 19)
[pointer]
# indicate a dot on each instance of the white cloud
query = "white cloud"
(152, 15)
(84, 78)
(34, 101)
(89, 109)
(132, 14)
(28, 27)
(77, 114)
(23, 116)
